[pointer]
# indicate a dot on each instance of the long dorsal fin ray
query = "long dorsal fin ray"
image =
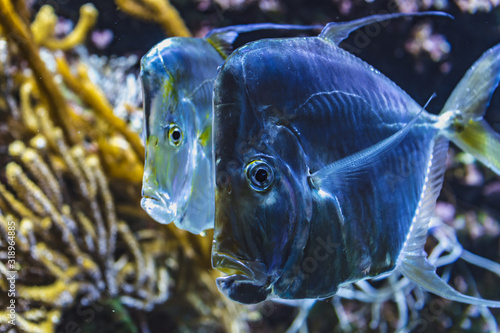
(333, 176)
(338, 31)
(225, 40)
(412, 261)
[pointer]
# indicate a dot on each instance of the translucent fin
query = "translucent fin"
(227, 39)
(222, 42)
(462, 114)
(206, 135)
(338, 31)
(480, 140)
(412, 261)
(420, 271)
(334, 176)
(473, 93)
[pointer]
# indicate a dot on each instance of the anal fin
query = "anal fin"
(412, 261)
(419, 270)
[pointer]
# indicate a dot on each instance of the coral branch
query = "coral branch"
(44, 25)
(27, 112)
(160, 11)
(93, 97)
(88, 17)
(43, 28)
(18, 33)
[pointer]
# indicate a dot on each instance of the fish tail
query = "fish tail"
(462, 117)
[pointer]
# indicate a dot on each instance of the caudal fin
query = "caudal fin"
(462, 114)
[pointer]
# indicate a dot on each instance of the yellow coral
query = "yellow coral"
(160, 11)
(75, 202)
(18, 33)
(26, 109)
(45, 22)
(93, 96)
(71, 268)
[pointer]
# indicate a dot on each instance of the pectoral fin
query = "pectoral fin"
(332, 177)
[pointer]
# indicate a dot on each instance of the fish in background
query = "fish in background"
(310, 145)
(177, 77)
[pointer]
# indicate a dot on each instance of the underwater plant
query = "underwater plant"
(80, 247)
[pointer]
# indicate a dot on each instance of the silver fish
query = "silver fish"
(327, 172)
(178, 76)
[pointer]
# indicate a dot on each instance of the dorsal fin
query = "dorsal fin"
(338, 31)
(227, 39)
(222, 42)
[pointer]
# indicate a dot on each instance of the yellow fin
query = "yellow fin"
(205, 135)
(480, 140)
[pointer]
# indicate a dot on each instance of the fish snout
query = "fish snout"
(239, 289)
(161, 209)
(246, 281)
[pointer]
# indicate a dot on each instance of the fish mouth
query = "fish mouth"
(246, 281)
(160, 210)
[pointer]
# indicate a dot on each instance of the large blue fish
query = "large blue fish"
(327, 172)
(178, 76)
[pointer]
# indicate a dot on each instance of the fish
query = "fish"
(177, 78)
(327, 173)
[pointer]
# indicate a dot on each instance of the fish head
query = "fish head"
(263, 201)
(177, 80)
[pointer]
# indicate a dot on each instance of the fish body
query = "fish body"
(327, 172)
(177, 76)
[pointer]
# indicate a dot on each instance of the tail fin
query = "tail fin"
(462, 114)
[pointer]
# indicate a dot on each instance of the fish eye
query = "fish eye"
(174, 135)
(260, 175)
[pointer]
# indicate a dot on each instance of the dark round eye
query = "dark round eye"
(260, 175)
(174, 134)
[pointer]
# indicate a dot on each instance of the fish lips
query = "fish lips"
(242, 290)
(246, 282)
(159, 209)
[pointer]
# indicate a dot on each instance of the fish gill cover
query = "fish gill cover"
(87, 258)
